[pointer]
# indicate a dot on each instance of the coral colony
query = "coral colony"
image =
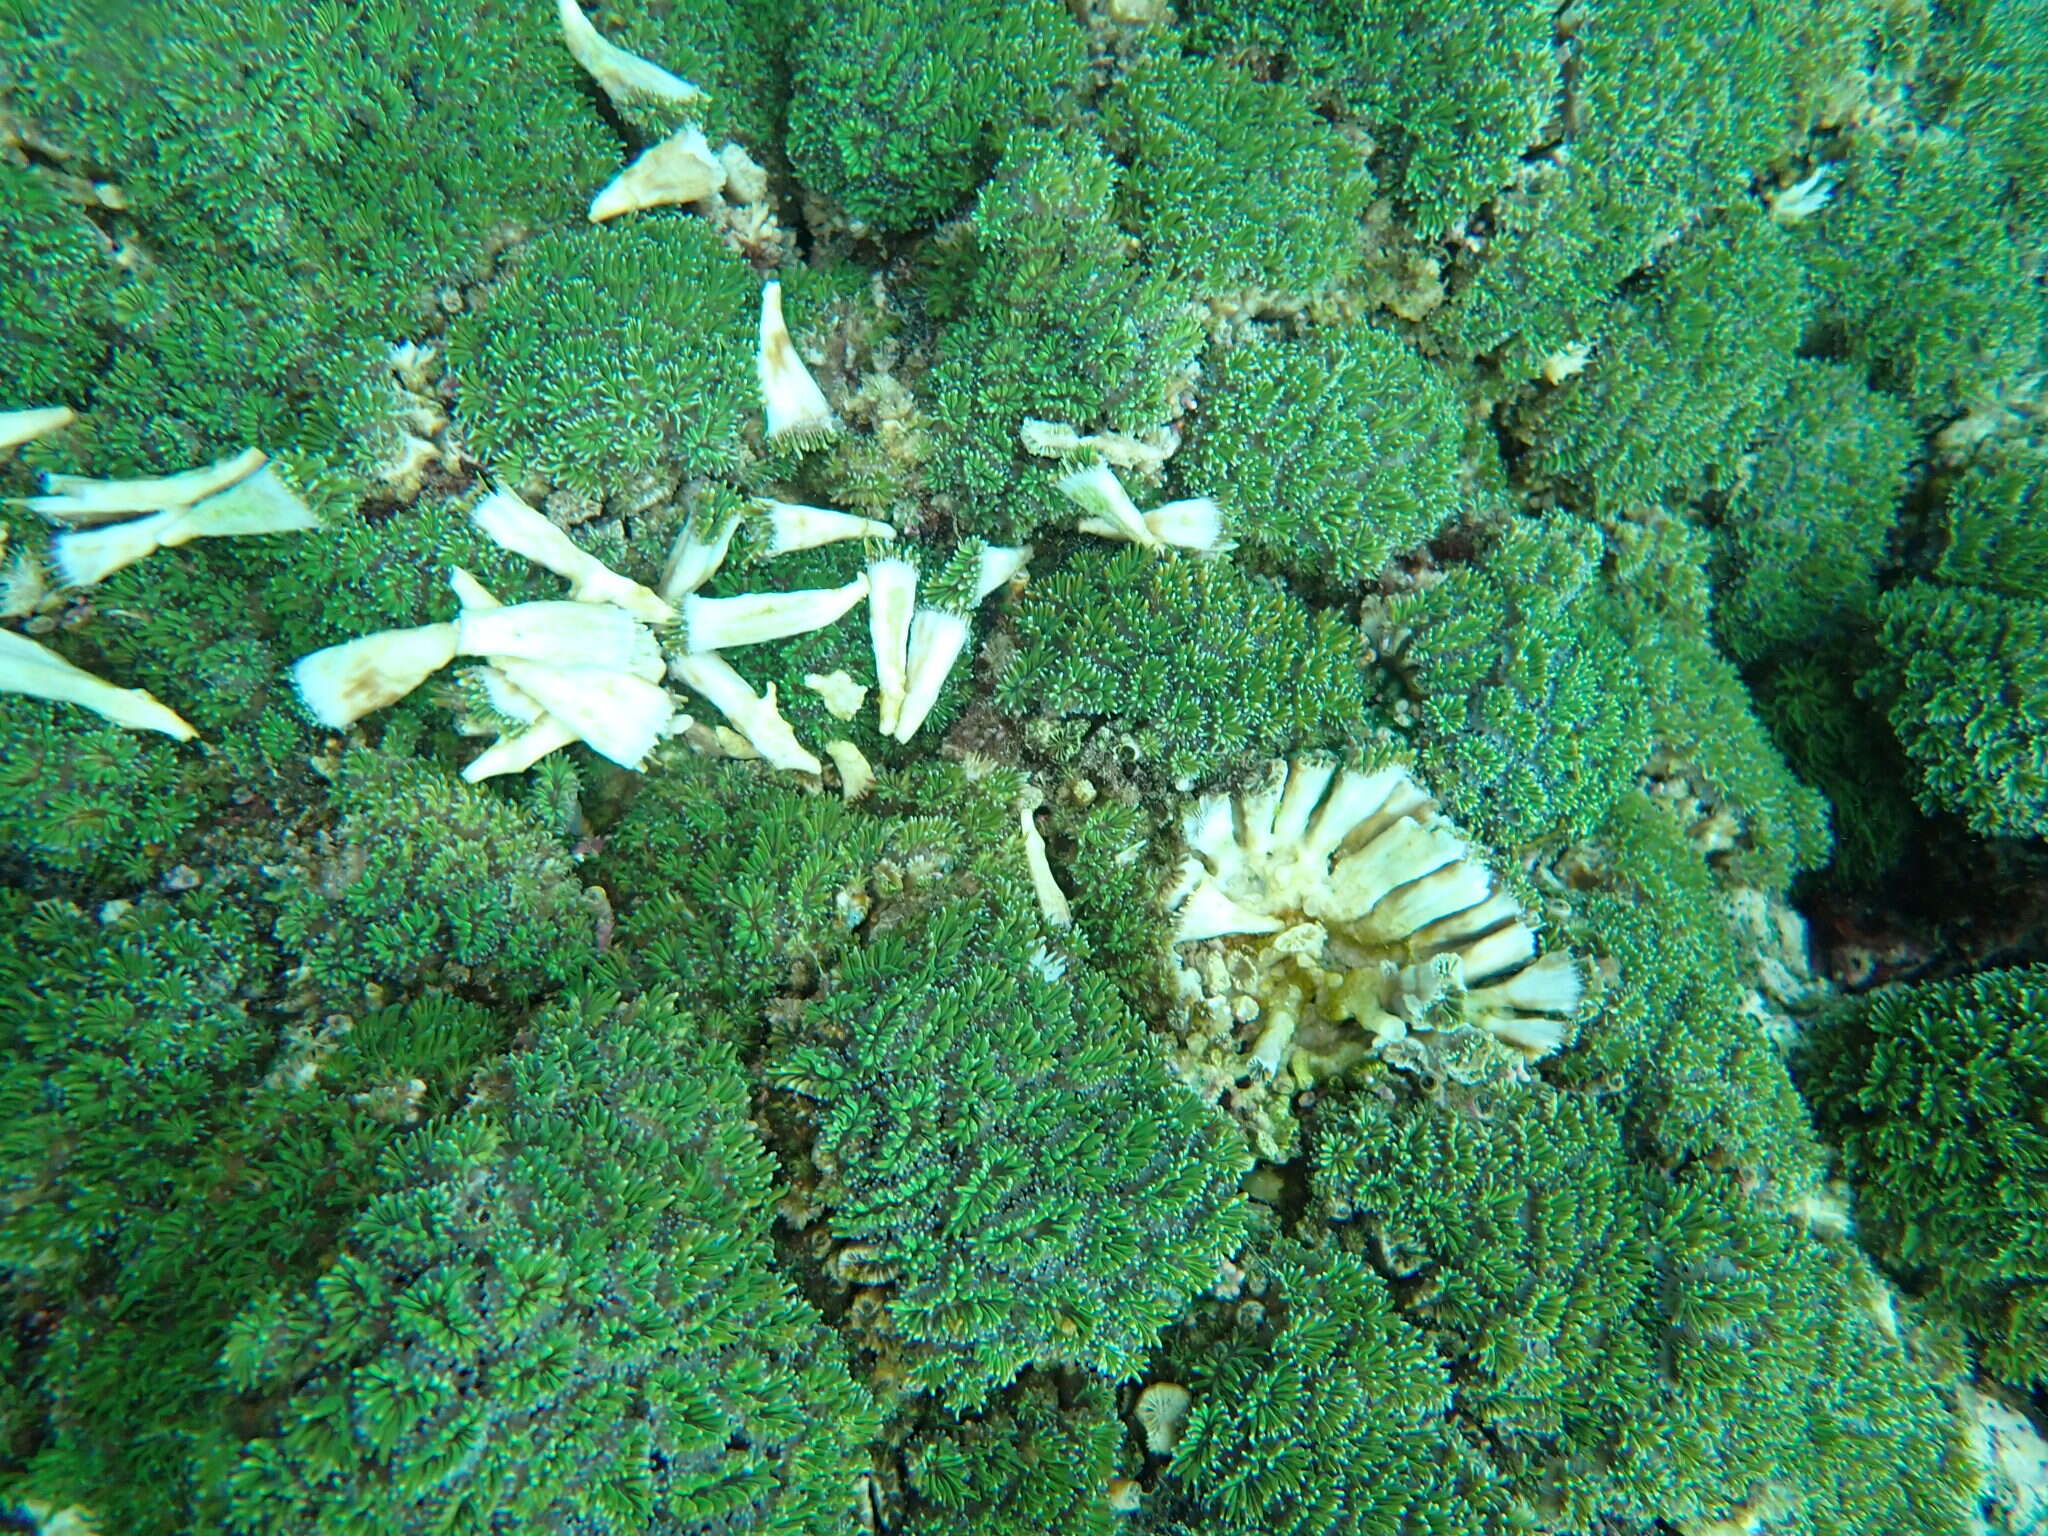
(1023, 766)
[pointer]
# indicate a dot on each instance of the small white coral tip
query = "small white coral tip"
(17, 427)
(680, 169)
(343, 683)
(790, 397)
(623, 76)
(34, 670)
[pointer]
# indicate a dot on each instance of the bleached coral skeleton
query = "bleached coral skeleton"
(1334, 909)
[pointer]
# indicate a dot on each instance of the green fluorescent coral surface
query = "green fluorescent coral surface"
(1462, 949)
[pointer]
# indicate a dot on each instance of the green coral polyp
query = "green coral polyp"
(1331, 911)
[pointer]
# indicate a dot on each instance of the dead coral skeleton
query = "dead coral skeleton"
(1330, 911)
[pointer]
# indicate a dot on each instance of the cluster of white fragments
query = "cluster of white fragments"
(1333, 909)
(103, 533)
(590, 668)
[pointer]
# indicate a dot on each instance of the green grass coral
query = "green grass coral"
(1964, 680)
(1158, 660)
(897, 110)
(1332, 452)
(1207, 146)
(315, 182)
(1080, 1105)
(653, 323)
(1932, 1090)
(559, 1306)
(1528, 707)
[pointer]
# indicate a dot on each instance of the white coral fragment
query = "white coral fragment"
(541, 733)
(1195, 524)
(259, 503)
(1356, 902)
(40, 673)
(18, 427)
(793, 526)
(517, 751)
(1567, 361)
(1162, 1411)
(790, 397)
(518, 527)
(856, 774)
(619, 715)
(696, 557)
(342, 683)
(892, 602)
(680, 169)
(1058, 440)
(755, 716)
(1804, 198)
(1111, 512)
(1052, 901)
(842, 696)
(939, 635)
(559, 634)
(625, 77)
(753, 618)
(81, 499)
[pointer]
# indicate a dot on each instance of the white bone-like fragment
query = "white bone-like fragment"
(756, 716)
(793, 526)
(1052, 901)
(892, 599)
(18, 427)
(40, 673)
(680, 169)
(1111, 512)
(842, 695)
(790, 397)
(1463, 929)
(519, 750)
(258, 503)
(746, 179)
(524, 531)
(1058, 440)
(1532, 1035)
(856, 774)
(694, 558)
(1270, 1051)
(1000, 565)
(618, 715)
(470, 592)
(1307, 780)
(1196, 524)
(624, 77)
(937, 638)
(1162, 1409)
(559, 633)
(79, 499)
(513, 751)
(720, 623)
(22, 587)
(342, 683)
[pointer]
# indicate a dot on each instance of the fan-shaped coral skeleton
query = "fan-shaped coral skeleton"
(1329, 900)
